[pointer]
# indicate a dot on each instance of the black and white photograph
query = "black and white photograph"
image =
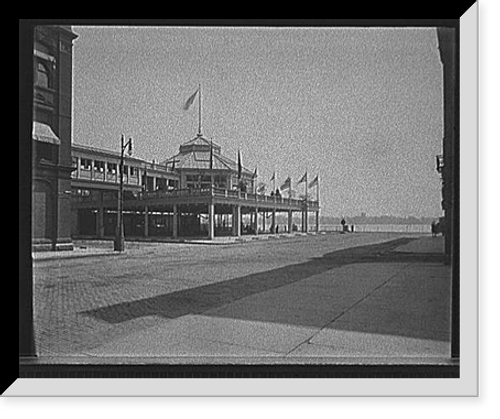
(255, 196)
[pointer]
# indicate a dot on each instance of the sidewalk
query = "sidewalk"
(425, 245)
(362, 308)
(89, 248)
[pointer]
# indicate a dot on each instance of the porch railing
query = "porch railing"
(216, 192)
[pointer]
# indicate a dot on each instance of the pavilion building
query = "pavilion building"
(198, 192)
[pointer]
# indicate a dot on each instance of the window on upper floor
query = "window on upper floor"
(43, 75)
(173, 184)
(220, 181)
(85, 164)
(43, 116)
(99, 166)
(161, 183)
(45, 151)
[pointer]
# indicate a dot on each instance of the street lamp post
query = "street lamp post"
(120, 236)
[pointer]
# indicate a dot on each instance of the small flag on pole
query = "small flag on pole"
(314, 182)
(303, 179)
(190, 101)
(287, 184)
(274, 177)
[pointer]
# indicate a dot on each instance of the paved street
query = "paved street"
(306, 297)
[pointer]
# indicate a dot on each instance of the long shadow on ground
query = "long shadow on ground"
(200, 299)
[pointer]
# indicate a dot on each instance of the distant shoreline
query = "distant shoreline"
(382, 228)
(362, 228)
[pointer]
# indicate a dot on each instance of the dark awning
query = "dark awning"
(42, 132)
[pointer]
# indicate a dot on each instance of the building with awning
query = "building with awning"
(51, 137)
(42, 132)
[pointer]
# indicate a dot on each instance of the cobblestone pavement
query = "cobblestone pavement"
(82, 303)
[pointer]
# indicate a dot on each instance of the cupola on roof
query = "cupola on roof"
(199, 143)
(196, 154)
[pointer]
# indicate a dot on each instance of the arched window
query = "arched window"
(42, 75)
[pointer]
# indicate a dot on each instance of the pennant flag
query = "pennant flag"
(239, 165)
(190, 101)
(314, 182)
(261, 188)
(287, 184)
(303, 178)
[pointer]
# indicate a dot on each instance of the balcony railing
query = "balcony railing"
(104, 176)
(215, 192)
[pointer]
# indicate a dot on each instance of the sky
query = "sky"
(360, 107)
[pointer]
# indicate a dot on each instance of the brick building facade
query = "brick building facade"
(51, 135)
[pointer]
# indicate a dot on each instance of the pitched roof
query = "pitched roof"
(195, 154)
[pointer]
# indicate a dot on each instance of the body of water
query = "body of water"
(379, 228)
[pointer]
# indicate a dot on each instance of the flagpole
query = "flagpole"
(199, 109)
(306, 187)
(306, 220)
(317, 190)
(317, 199)
(211, 154)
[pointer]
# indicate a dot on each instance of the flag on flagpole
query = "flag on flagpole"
(303, 179)
(261, 188)
(273, 177)
(287, 184)
(314, 182)
(190, 100)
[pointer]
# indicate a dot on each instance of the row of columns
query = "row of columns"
(237, 220)
(236, 225)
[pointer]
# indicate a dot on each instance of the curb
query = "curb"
(236, 241)
(75, 256)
